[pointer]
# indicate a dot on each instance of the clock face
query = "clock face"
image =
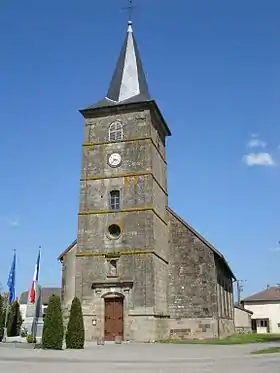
(114, 160)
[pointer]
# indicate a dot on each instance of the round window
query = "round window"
(114, 230)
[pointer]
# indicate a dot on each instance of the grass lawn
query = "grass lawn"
(269, 350)
(232, 340)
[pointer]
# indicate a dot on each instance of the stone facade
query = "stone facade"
(199, 302)
(132, 252)
(141, 250)
(173, 283)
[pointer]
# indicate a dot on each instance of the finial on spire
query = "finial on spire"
(129, 9)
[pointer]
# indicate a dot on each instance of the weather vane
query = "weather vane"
(130, 9)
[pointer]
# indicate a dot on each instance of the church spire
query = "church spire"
(128, 82)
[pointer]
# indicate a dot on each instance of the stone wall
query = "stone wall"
(224, 299)
(243, 330)
(225, 327)
(200, 293)
(141, 250)
(68, 280)
(192, 277)
(172, 272)
(193, 328)
(191, 280)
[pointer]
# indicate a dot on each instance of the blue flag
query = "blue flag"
(11, 281)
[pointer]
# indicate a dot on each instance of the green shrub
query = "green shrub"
(30, 338)
(75, 334)
(14, 320)
(53, 325)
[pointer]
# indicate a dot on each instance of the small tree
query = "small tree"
(14, 320)
(52, 338)
(75, 334)
(2, 318)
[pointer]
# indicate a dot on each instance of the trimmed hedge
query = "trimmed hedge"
(14, 321)
(75, 334)
(53, 332)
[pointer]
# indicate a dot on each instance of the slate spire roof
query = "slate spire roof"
(128, 82)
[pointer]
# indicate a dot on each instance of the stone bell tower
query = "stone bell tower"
(122, 243)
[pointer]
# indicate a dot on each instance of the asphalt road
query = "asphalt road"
(139, 358)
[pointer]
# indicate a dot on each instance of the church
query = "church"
(142, 273)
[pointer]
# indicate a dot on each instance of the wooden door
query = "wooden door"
(113, 326)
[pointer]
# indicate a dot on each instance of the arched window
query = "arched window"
(116, 131)
(114, 199)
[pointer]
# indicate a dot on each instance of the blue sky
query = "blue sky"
(214, 69)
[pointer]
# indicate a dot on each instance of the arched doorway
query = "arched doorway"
(113, 317)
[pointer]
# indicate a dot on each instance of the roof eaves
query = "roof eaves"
(270, 294)
(105, 104)
(248, 300)
(243, 309)
(60, 257)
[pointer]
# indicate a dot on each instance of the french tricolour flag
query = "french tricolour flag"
(32, 293)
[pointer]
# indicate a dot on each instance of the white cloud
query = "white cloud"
(14, 223)
(259, 159)
(256, 143)
(11, 222)
(275, 249)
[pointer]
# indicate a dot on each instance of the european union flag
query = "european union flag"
(11, 281)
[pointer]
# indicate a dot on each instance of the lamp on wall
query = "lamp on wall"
(93, 322)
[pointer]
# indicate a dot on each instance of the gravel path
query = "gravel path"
(138, 358)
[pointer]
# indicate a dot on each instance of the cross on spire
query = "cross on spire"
(130, 9)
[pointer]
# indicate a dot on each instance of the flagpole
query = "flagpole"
(37, 290)
(12, 273)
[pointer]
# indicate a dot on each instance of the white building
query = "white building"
(46, 293)
(265, 306)
(242, 319)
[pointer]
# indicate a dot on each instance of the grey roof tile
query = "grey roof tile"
(272, 293)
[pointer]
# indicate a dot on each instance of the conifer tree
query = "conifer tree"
(2, 317)
(75, 334)
(14, 321)
(53, 325)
